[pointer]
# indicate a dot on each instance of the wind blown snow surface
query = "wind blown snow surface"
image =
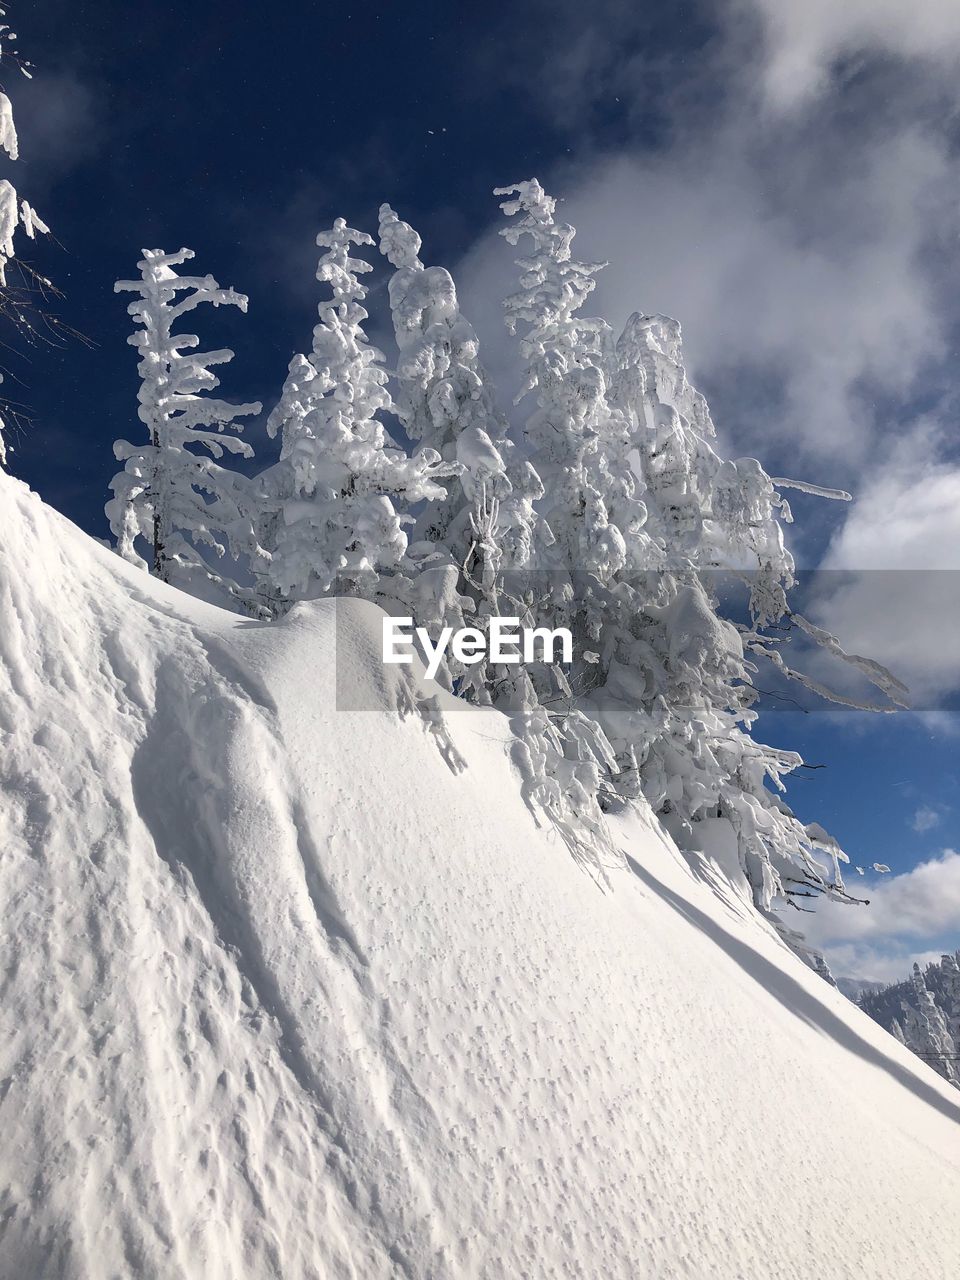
(287, 992)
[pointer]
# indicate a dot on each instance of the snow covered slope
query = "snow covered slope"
(287, 993)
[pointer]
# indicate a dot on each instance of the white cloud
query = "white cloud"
(810, 309)
(801, 260)
(906, 518)
(886, 965)
(902, 606)
(906, 913)
(804, 42)
(925, 818)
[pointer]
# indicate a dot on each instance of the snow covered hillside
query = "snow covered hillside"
(288, 992)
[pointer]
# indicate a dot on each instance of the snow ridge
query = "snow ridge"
(283, 995)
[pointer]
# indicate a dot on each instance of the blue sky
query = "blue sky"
(781, 178)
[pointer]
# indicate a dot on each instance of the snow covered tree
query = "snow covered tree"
(644, 512)
(168, 494)
(485, 525)
(444, 399)
(926, 1032)
(16, 215)
(674, 689)
(578, 548)
(590, 509)
(329, 514)
(923, 1013)
(564, 356)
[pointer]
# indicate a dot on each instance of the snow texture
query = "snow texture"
(285, 994)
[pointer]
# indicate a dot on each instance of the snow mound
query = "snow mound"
(292, 991)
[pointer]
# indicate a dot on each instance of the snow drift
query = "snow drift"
(286, 991)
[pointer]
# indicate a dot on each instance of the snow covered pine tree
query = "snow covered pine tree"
(168, 495)
(671, 654)
(486, 538)
(663, 677)
(563, 754)
(923, 1012)
(466, 545)
(328, 516)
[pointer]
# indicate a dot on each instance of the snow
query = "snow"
(287, 992)
(15, 212)
(817, 490)
(8, 130)
(9, 221)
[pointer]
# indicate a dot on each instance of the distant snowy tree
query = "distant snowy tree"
(923, 1013)
(926, 1032)
(950, 987)
(168, 494)
(330, 518)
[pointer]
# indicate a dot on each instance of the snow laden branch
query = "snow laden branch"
(170, 496)
(879, 676)
(16, 215)
(14, 210)
(817, 490)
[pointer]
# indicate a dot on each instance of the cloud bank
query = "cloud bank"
(810, 255)
(880, 943)
(804, 43)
